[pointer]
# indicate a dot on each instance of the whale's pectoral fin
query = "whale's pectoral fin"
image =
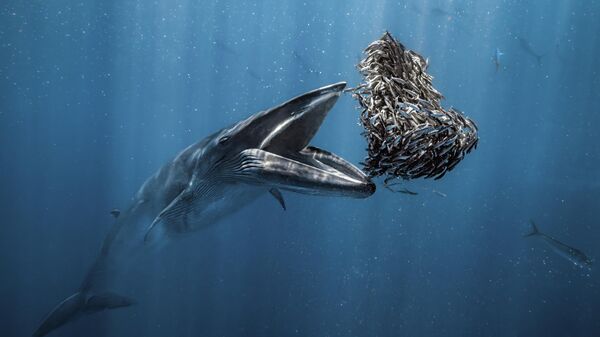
(278, 196)
(156, 231)
(172, 217)
(303, 174)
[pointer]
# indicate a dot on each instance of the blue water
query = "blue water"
(95, 96)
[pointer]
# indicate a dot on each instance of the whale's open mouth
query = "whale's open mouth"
(284, 159)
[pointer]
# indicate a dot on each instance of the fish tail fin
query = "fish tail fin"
(534, 230)
(77, 304)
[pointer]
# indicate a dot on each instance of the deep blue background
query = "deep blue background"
(95, 96)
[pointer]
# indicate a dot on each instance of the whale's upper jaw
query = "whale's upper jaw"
(298, 120)
(288, 127)
(282, 156)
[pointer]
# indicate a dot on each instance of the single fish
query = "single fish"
(497, 57)
(403, 190)
(526, 46)
(574, 255)
(436, 11)
(407, 191)
(443, 195)
(115, 212)
(225, 48)
(253, 74)
(306, 66)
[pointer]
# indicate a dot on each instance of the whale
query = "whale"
(267, 153)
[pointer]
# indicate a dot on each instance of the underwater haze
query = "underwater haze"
(95, 96)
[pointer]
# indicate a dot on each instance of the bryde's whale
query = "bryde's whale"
(265, 153)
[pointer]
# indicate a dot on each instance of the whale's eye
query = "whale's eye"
(223, 139)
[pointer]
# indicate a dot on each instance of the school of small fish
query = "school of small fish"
(409, 134)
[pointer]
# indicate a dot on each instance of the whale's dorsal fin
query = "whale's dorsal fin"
(278, 196)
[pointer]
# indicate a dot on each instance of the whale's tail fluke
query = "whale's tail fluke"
(78, 304)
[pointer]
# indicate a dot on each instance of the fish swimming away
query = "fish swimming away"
(115, 212)
(253, 74)
(497, 55)
(402, 190)
(436, 11)
(441, 194)
(268, 152)
(433, 11)
(225, 48)
(572, 254)
(526, 46)
(306, 66)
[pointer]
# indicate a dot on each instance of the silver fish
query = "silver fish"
(497, 55)
(526, 46)
(572, 254)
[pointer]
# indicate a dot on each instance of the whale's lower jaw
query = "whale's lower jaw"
(311, 171)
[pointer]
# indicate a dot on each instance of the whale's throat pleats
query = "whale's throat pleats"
(186, 210)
